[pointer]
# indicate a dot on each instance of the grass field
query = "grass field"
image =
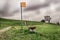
(44, 31)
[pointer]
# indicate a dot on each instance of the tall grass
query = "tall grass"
(43, 31)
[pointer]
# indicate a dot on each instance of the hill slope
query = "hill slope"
(43, 31)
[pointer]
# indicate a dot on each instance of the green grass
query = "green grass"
(7, 22)
(43, 31)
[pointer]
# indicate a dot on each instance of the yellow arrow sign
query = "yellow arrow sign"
(23, 4)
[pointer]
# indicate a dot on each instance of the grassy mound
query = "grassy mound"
(43, 31)
(7, 22)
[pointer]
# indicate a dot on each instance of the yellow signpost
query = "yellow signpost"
(22, 5)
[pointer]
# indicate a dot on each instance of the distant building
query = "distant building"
(47, 19)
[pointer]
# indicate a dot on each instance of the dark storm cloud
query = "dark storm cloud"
(36, 6)
(5, 11)
(58, 8)
(53, 1)
(4, 14)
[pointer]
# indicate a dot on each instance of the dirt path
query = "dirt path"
(5, 29)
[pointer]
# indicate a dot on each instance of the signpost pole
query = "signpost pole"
(22, 4)
(21, 18)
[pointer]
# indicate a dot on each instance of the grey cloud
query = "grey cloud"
(54, 1)
(15, 14)
(36, 6)
(6, 10)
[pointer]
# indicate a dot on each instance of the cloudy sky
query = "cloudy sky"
(35, 10)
